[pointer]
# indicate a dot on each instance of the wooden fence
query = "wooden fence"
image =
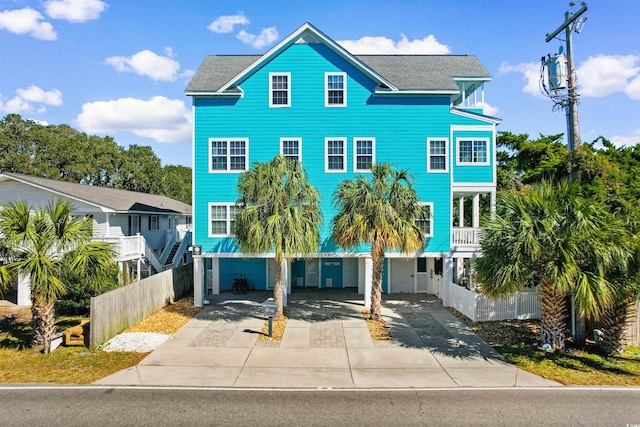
(115, 311)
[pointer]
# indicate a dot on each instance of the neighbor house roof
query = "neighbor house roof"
(108, 198)
(431, 73)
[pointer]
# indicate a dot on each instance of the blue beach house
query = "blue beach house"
(310, 99)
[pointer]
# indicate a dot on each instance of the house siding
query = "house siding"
(400, 127)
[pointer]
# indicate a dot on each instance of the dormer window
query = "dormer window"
(279, 89)
(335, 89)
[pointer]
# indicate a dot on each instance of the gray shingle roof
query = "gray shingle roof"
(118, 200)
(406, 72)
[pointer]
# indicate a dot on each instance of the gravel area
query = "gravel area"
(139, 342)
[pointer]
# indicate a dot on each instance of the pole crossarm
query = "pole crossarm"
(567, 22)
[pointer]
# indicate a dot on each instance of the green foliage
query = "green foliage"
(76, 301)
(279, 211)
(63, 153)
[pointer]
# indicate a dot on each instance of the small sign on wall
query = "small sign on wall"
(332, 263)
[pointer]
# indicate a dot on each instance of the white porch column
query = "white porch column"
(476, 211)
(286, 281)
(24, 289)
(198, 281)
(448, 281)
(215, 276)
(368, 284)
(461, 213)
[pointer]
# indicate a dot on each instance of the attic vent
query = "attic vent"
(307, 39)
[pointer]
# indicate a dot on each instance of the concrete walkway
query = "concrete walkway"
(326, 344)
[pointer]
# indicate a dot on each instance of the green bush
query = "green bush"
(76, 302)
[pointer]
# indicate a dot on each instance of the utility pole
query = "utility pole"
(573, 133)
(578, 319)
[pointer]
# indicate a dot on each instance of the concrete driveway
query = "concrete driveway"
(326, 344)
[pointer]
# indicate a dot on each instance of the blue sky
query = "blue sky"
(119, 67)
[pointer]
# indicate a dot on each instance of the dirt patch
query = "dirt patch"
(169, 319)
(504, 332)
(18, 313)
(377, 328)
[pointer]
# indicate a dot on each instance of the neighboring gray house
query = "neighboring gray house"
(151, 233)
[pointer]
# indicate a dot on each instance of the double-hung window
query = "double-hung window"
(335, 159)
(437, 155)
(222, 219)
(228, 154)
(335, 89)
(279, 89)
(364, 154)
(473, 151)
(291, 148)
(425, 221)
(154, 222)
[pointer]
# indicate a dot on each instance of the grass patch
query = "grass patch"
(518, 342)
(73, 365)
(66, 365)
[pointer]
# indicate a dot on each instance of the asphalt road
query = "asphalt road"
(89, 406)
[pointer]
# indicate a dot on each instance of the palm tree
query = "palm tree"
(44, 244)
(381, 212)
(278, 211)
(548, 235)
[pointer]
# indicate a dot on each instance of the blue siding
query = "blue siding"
(254, 268)
(400, 126)
(472, 173)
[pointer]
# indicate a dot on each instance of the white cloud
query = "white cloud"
(382, 45)
(603, 75)
(147, 63)
(267, 36)
(530, 73)
(487, 108)
(159, 118)
(633, 89)
(25, 98)
(225, 24)
(75, 10)
(34, 94)
(627, 140)
(27, 21)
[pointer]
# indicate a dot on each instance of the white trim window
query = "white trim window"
(222, 219)
(335, 89)
(154, 222)
(437, 159)
(279, 90)
(228, 155)
(291, 148)
(472, 151)
(364, 154)
(426, 222)
(335, 158)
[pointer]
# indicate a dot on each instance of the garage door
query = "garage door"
(402, 272)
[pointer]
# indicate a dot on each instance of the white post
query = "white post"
(461, 213)
(138, 269)
(476, 210)
(198, 281)
(448, 281)
(215, 276)
(368, 283)
(493, 202)
(286, 282)
(24, 289)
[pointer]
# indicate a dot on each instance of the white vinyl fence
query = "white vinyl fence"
(480, 308)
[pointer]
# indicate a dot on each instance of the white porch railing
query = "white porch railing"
(479, 308)
(127, 247)
(466, 236)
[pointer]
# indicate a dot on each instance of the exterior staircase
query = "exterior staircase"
(174, 249)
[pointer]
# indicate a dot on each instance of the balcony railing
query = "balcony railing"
(466, 236)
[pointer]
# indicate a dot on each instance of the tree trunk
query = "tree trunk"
(43, 324)
(613, 338)
(376, 285)
(277, 290)
(552, 326)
